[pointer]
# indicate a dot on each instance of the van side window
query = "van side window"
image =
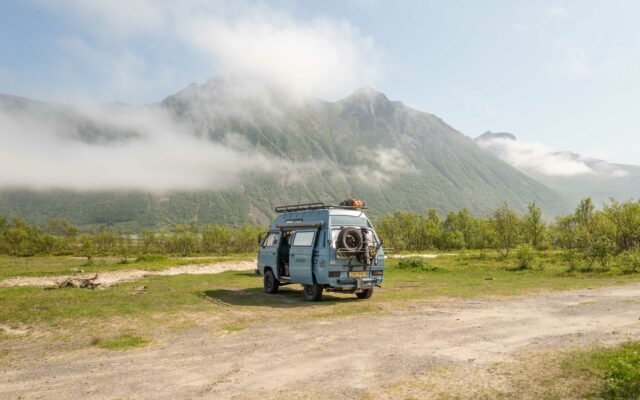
(271, 239)
(304, 238)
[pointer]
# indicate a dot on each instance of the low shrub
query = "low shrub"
(417, 264)
(630, 261)
(622, 373)
(525, 255)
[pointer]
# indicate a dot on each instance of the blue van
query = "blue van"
(322, 247)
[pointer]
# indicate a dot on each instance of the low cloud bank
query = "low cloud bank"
(535, 157)
(146, 150)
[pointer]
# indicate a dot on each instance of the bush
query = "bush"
(417, 264)
(572, 258)
(622, 377)
(525, 255)
(630, 263)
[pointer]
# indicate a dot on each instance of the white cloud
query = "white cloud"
(157, 154)
(520, 27)
(557, 11)
(538, 158)
(389, 162)
(320, 57)
(535, 157)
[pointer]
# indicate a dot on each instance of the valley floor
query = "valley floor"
(427, 348)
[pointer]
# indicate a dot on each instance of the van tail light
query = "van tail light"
(334, 274)
(376, 273)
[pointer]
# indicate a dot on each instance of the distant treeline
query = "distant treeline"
(587, 237)
(60, 237)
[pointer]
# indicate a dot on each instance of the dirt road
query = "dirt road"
(339, 357)
(108, 278)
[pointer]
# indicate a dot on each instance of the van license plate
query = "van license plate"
(359, 274)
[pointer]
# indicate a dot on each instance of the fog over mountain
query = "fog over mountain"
(574, 175)
(230, 150)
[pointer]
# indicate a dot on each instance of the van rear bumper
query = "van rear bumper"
(355, 283)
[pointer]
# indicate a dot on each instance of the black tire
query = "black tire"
(350, 240)
(365, 294)
(271, 284)
(312, 292)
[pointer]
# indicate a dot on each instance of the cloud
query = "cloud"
(388, 162)
(538, 158)
(146, 150)
(320, 56)
(520, 27)
(535, 157)
(557, 11)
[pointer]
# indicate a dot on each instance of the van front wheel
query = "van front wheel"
(365, 294)
(271, 284)
(312, 292)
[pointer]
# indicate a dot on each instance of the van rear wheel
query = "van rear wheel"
(365, 294)
(312, 292)
(271, 284)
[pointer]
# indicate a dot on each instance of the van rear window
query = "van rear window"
(349, 220)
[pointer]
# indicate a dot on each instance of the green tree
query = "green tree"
(506, 224)
(148, 238)
(533, 228)
(626, 218)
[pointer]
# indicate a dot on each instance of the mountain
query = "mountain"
(571, 174)
(364, 146)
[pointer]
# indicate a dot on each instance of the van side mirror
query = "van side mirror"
(260, 239)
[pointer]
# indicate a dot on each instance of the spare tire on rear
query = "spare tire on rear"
(350, 240)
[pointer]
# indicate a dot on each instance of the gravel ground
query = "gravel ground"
(339, 358)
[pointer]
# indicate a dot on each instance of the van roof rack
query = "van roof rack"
(312, 206)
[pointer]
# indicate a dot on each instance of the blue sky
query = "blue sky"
(565, 74)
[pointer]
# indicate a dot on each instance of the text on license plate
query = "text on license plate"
(359, 274)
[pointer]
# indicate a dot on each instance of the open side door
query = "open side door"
(301, 256)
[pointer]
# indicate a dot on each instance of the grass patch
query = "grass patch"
(145, 258)
(122, 342)
(233, 327)
(602, 373)
(615, 373)
(237, 296)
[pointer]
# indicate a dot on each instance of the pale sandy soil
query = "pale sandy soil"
(448, 346)
(109, 278)
(418, 255)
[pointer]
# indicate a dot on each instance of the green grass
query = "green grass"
(233, 327)
(237, 297)
(11, 267)
(612, 373)
(122, 342)
(602, 373)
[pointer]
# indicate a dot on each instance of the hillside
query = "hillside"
(573, 175)
(364, 145)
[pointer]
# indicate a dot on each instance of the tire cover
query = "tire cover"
(346, 233)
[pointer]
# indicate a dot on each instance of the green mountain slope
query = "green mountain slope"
(363, 146)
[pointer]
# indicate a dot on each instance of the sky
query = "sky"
(562, 74)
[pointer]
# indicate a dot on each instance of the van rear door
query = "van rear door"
(301, 256)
